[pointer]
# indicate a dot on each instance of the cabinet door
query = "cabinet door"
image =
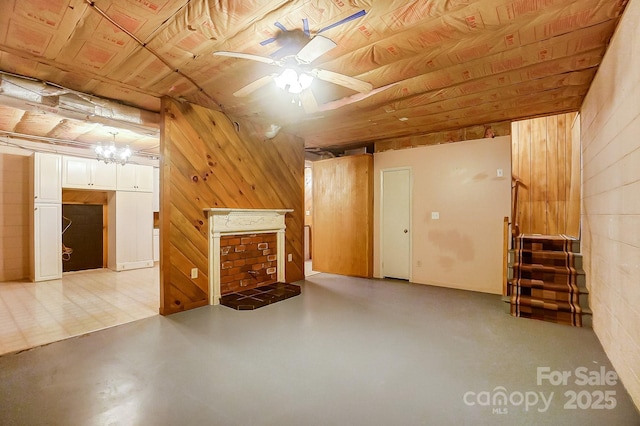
(134, 177)
(126, 227)
(76, 172)
(134, 230)
(47, 183)
(47, 242)
(156, 189)
(126, 177)
(144, 178)
(156, 245)
(103, 175)
(144, 227)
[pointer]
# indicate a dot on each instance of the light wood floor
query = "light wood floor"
(35, 314)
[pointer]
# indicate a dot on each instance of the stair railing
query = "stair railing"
(516, 183)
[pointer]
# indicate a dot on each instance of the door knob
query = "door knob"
(405, 231)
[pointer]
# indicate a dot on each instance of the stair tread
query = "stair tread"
(556, 269)
(544, 285)
(558, 252)
(547, 243)
(547, 304)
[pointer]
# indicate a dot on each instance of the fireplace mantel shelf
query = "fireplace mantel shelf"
(225, 210)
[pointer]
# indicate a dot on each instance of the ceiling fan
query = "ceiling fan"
(297, 76)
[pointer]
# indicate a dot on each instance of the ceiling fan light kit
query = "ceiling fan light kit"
(293, 82)
(296, 78)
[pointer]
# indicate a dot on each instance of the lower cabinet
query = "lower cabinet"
(130, 240)
(156, 245)
(46, 242)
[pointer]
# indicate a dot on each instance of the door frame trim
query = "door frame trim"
(381, 207)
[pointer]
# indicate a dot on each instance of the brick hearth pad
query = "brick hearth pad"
(260, 296)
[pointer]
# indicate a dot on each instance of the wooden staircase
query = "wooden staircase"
(546, 280)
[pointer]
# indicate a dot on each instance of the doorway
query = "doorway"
(395, 222)
(82, 237)
(308, 219)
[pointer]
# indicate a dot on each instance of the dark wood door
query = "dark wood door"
(82, 237)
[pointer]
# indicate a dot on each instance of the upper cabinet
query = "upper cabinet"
(47, 185)
(135, 177)
(85, 173)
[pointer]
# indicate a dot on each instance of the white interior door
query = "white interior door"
(396, 223)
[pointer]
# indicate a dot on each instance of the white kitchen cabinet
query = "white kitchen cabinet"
(131, 239)
(46, 248)
(156, 189)
(87, 173)
(46, 217)
(47, 184)
(135, 177)
(156, 245)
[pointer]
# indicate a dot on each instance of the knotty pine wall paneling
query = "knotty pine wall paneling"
(343, 215)
(546, 159)
(14, 216)
(209, 161)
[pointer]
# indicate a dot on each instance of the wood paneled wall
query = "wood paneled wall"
(14, 217)
(209, 161)
(343, 215)
(546, 160)
(308, 195)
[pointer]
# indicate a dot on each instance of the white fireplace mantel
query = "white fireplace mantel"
(226, 221)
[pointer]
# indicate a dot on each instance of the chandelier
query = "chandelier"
(111, 154)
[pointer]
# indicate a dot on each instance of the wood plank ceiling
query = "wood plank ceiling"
(434, 65)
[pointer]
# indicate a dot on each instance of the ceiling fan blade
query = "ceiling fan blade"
(239, 55)
(308, 101)
(317, 47)
(252, 87)
(343, 80)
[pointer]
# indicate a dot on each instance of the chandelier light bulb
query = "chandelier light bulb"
(111, 154)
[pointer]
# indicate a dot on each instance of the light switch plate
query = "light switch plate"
(499, 173)
(194, 272)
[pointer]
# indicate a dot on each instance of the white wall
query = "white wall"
(610, 136)
(463, 249)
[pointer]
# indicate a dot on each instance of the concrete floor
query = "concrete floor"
(347, 351)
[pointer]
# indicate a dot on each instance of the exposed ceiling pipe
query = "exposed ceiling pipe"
(27, 94)
(59, 143)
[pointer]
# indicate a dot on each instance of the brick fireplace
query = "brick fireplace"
(246, 249)
(247, 261)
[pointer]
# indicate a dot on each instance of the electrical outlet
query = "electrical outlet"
(194, 272)
(290, 257)
(435, 215)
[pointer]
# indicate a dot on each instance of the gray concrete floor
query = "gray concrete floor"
(348, 351)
